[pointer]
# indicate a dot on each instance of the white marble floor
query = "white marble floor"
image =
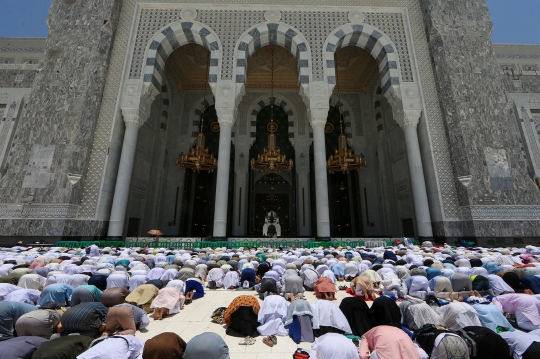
(195, 319)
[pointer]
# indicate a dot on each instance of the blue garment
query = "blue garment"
(531, 282)
(337, 270)
(10, 312)
(249, 275)
(491, 317)
(295, 330)
(192, 284)
(449, 266)
(170, 258)
(433, 272)
(59, 292)
(492, 268)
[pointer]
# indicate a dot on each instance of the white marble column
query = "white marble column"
(226, 118)
(318, 120)
(133, 118)
(409, 123)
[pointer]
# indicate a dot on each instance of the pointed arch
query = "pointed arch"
(373, 41)
(170, 38)
(273, 33)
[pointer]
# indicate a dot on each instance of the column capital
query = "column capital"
(135, 102)
(318, 116)
(226, 116)
(134, 116)
(409, 119)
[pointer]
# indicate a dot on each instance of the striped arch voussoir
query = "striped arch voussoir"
(273, 33)
(373, 41)
(170, 38)
(262, 103)
(346, 112)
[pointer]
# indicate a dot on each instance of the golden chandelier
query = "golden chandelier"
(343, 160)
(271, 159)
(199, 159)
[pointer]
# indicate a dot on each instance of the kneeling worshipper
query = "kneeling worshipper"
(385, 311)
(386, 342)
(136, 280)
(498, 285)
(417, 287)
(489, 344)
(327, 318)
(118, 279)
(270, 284)
(43, 322)
(293, 287)
(165, 346)
(532, 283)
(299, 321)
(231, 280)
(67, 347)
(32, 281)
(114, 296)
(85, 294)
(116, 347)
(86, 319)
(325, 289)
(20, 347)
(442, 287)
(417, 313)
(6, 288)
(194, 289)
(249, 275)
(272, 316)
(168, 301)
(125, 319)
(28, 296)
(362, 287)
(241, 317)
(99, 280)
(358, 315)
(456, 316)
(215, 278)
(10, 312)
(207, 346)
(523, 345)
(333, 346)
(143, 296)
(525, 307)
(60, 293)
(491, 317)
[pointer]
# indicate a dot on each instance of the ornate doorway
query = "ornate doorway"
(272, 192)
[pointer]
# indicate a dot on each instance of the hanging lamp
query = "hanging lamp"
(199, 158)
(343, 160)
(271, 159)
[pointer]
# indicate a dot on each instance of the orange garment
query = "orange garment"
(324, 285)
(241, 301)
(389, 343)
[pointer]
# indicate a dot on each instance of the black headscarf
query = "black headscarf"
(358, 315)
(385, 311)
(262, 269)
(512, 279)
(480, 283)
(99, 280)
(390, 255)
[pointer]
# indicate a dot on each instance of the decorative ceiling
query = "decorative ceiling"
(187, 68)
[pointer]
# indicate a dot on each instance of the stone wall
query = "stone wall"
(56, 129)
(527, 84)
(485, 140)
(17, 78)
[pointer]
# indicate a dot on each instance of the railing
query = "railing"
(368, 243)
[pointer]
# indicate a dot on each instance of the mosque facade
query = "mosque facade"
(95, 116)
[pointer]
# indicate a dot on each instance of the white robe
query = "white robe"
(327, 313)
(272, 316)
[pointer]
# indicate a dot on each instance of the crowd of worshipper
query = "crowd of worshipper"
(400, 302)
